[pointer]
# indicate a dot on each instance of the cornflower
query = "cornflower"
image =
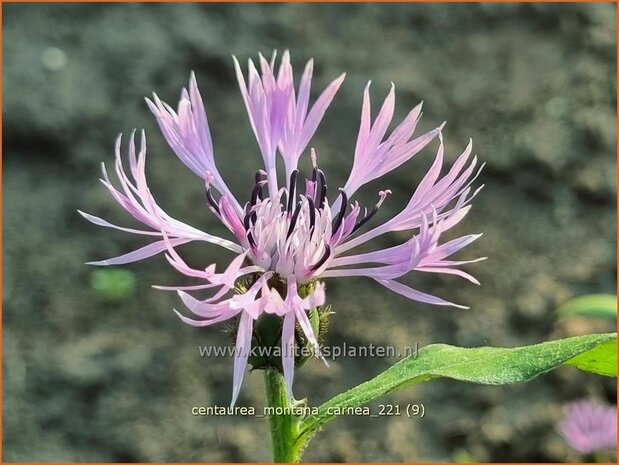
(289, 238)
(589, 427)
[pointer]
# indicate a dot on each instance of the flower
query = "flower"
(288, 241)
(590, 427)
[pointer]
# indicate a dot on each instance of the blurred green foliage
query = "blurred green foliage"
(591, 305)
(463, 456)
(113, 284)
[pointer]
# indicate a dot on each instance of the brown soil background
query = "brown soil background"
(90, 379)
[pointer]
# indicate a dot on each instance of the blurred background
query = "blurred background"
(96, 365)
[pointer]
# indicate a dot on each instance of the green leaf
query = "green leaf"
(594, 353)
(597, 305)
(601, 360)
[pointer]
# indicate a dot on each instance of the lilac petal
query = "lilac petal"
(414, 294)
(263, 102)
(218, 295)
(243, 88)
(170, 128)
(381, 123)
(197, 287)
(208, 309)
(256, 307)
(455, 216)
(300, 126)
(459, 164)
(433, 173)
(268, 78)
(132, 156)
(230, 218)
(310, 189)
(225, 278)
(101, 222)
(401, 153)
(200, 114)
(453, 246)
(304, 91)
(190, 302)
(366, 122)
(188, 135)
(460, 273)
(278, 118)
(386, 256)
(430, 195)
(316, 299)
(137, 200)
(228, 278)
(284, 75)
(376, 155)
(406, 128)
(306, 326)
(248, 301)
(380, 272)
(180, 266)
(318, 111)
(243, 347)
(140, 254)
(203, 323)
(399, 259)
(420, 253)
(450, 263)
(276, 304)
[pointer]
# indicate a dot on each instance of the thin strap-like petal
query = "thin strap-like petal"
(243, 347)
(106, 224)
(414, 294)
(140, 254)
(375, 154)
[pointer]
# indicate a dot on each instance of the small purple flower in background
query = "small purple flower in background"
(590, 427)
(290, 237)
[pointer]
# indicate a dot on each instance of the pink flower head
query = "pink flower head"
(288, 239)
(590, 427)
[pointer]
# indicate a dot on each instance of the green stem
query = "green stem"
(284, 426)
